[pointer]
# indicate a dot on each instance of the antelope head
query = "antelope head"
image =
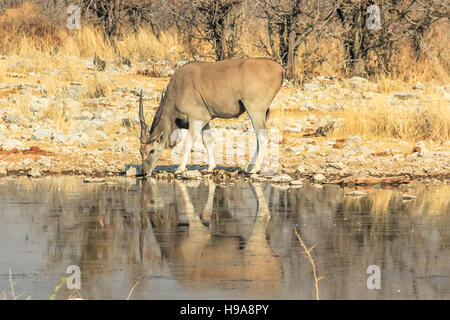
(153, 141)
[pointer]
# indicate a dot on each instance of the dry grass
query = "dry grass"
(141, 45)
(96, 88)
(3, 70)
(113, 126)
(429, 121)
(61, 116)
(28, 22)
(23, 105)
(69, 73)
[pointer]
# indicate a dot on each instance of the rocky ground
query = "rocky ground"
(80, 121)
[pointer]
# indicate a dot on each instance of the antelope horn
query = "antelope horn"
(163, 94)
(144, 127)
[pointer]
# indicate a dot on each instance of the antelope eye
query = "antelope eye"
(151, 151)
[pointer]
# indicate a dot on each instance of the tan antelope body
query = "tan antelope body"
(201, 91)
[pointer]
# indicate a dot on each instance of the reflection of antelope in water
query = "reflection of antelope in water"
(199, 258)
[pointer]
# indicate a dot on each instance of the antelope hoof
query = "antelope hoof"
(253, 170)
(179, 173)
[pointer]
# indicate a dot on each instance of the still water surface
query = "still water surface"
(232, 241)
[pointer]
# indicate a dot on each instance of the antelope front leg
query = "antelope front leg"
(186, 154)
(195, 128)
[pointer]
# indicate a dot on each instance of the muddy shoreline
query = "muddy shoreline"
(233, 174)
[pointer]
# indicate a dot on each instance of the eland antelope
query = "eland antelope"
(201, 91)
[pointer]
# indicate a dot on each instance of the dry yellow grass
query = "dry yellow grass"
(96, 88)
(429, 121)
(23, 105)
(3, 70)
(61, 116)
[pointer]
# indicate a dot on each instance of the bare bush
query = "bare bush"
(371, 51)
(290, 23)
(117, 15)
(216, 22)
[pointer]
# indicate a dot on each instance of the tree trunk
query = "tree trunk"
(291, 55)
(357, 50)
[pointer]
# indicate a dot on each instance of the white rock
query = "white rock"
(122, 147)
(13, 127)
(319, 178)
(85, 115)
(281, 178)
(418, 86)
(99, 116)
(131, 172)
(368, 95)
(301, 169)
(420, 144)
(311, 87)
(38, 104)
(412, 157)
(298, 182)
(357, 82)
(101, 135)
(192, 174)
(166, 72)
(335, 165)
(45, 161)
(424, 152)
(311, 148)
(41, 134)
(122, 131)
(398, 157)
(317, 185)
(9, 144)
(15, 118)
(354, 139)
(34, 172)
(59, 138)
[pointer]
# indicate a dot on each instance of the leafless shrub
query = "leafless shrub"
(375, 51)
(216, 22)
(117, 15)
(290, 23)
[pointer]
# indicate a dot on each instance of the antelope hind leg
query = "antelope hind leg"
(209, 145)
